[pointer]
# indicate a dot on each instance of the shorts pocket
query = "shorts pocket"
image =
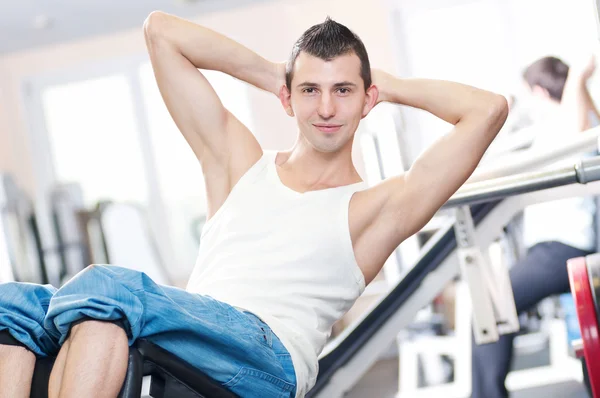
(256, 383)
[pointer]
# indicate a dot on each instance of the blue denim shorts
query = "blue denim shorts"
(232, 347)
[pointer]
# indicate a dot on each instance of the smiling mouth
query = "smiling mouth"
(328, 128)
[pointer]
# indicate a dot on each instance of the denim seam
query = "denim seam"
(268, 377)
(235, 379)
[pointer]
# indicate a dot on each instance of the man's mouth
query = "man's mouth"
(327, 128)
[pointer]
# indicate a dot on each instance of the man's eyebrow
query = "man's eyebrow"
(344, 84)
(308, 84)
(336, 85)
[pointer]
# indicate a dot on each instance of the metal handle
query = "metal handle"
(583, 172)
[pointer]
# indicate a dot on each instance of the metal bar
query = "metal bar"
(532, 159)
(511, 186)
(473, 268)
(586, 170)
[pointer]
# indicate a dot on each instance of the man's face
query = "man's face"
(328, 99)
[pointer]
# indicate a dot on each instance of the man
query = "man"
(554, 231)
(291, 239)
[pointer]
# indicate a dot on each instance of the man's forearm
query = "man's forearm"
(591, 107)
(449, 101)
(207, 49)
(576, 101)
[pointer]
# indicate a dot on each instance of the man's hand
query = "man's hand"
(589, 68)
(382, 216)
(381, 80)
(576, 100)
(583, 70)
(278, 77)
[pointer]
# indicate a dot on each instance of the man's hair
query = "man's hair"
(549, 73)
(326, 41)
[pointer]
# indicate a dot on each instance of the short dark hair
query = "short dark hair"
(326, 41)
(549, 73)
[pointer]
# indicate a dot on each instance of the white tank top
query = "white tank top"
(285, 256)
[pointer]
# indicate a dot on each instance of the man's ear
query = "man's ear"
(286, 100)
(371, 97)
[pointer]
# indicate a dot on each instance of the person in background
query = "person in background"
(555, 231)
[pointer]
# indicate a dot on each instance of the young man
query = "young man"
(555, 231)
(291, 239)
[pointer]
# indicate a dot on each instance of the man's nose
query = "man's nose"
(326, 106)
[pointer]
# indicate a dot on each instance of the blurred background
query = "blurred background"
(78, 101)
(86, 143)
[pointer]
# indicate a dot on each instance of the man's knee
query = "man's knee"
(89, 281)
(17, 292)
(94, 274)
(113, 330)
(13, 348)
(100, 292)
(92, 268)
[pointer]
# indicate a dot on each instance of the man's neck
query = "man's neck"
(307, 168)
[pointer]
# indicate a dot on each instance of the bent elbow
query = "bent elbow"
(154, 24)
(497, 112)
(499, 108)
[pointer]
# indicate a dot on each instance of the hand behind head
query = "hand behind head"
(589, 67)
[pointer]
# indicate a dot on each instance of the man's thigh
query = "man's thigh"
(230, 346)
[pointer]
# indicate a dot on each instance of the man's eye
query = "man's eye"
(308, 90)
(344, 90)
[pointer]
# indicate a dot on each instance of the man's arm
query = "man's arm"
(576, 99)
(223, 145)
(383, 216)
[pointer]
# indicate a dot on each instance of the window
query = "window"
(94, 139)
(108, 130)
